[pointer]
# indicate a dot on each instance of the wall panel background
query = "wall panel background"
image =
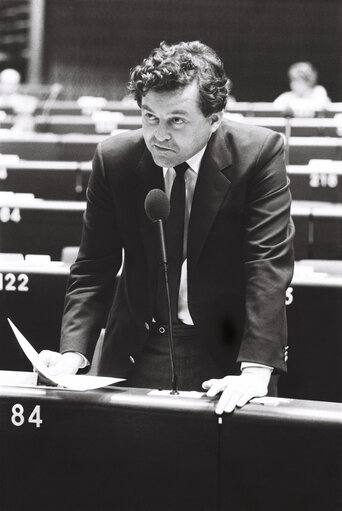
(91, 44)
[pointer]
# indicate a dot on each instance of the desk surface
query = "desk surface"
(125, 449)
(114, 398)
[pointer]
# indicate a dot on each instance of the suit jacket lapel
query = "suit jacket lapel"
(211, 188)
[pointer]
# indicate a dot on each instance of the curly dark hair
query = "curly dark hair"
(171, 67)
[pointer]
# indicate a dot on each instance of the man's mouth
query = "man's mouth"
(161, 148)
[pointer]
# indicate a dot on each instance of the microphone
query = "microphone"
(157, 208)
(157, 205)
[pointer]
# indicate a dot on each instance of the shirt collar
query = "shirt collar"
(194, 162)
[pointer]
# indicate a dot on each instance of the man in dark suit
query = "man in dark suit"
(237, 257)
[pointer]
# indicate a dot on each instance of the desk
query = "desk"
(47, 146)
(286, 458)
(125, 449)
(50, 180)
(108, 449)
(318, 229)
(267, 109)
(68, 180)
(300, 127)
(323, 184)
(45, 227)
(39, 227)
(255, 109)
(85, 124)
(304, 149)
(314, 332)
(32, 295)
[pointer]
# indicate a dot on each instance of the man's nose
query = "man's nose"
(161, 133)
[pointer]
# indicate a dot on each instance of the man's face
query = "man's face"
(174, 127)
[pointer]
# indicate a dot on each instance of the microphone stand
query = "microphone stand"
(287, 139)
(50, 101)
(164, 265)
(288, 114)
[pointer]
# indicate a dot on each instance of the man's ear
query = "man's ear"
(215, 120)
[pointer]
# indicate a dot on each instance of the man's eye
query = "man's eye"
(150, 117)
(178, 121)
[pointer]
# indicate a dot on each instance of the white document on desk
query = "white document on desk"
(69, 381)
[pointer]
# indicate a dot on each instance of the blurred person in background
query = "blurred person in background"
(22, 106)
(305, 97)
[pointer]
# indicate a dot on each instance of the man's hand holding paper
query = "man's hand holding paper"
(57, 363)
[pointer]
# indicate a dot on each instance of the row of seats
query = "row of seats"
(88, 105)
(319, 180)
(31, 225)
(49, 146)
(106, 122)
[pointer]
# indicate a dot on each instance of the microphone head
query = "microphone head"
(157, 205)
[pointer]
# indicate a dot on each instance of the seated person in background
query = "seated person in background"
(305, 97)
(9, 85)
(23, 106)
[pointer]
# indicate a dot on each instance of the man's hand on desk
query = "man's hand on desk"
(66, 363)
(238, 390)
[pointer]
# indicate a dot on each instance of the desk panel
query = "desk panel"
(32, 296)
(304, 149)
(41, 146)
(319, 185)
(314, 333)
(255, 109)
(327, 232)
(297, 127)
(109, 450)
(48, 146)
(86, 124)
(125, 449)
(50, 180)
(67, 180)
(318, 230)
(40, 227)
(285, 457)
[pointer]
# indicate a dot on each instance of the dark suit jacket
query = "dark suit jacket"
(240, 256)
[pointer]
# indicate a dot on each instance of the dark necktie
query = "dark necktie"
(174, 233)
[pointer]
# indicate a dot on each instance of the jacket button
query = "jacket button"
(132, 359)
(147, 326)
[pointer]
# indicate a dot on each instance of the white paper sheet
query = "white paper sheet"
(69, 381)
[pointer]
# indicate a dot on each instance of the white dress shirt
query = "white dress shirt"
(190, 178)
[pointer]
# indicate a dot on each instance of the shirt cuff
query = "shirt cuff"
(85, 361)
(244, 365)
